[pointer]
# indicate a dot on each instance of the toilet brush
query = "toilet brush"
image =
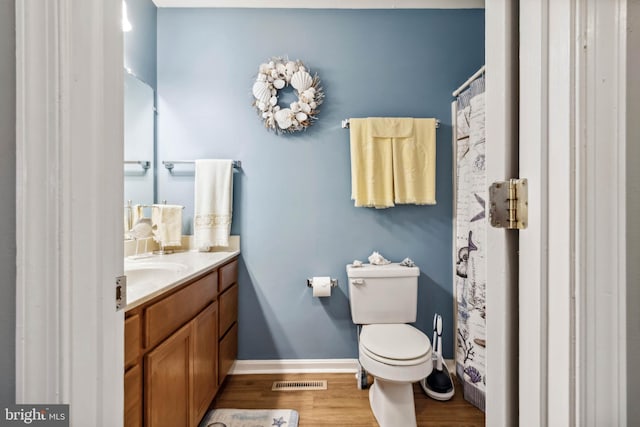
(438, 384)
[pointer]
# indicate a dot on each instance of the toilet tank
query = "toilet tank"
(383, 293)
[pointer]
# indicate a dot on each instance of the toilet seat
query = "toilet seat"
(395, 344)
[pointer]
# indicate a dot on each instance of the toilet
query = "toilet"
(383, 299)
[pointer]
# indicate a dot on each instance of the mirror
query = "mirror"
(139, 141)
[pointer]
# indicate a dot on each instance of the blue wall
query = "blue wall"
(140, 43)
(292, 203)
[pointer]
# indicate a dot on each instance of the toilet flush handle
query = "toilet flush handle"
(357, 281)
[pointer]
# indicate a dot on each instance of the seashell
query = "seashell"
(301, 81)
(264, 68)
(273, 92)
(261, 91)
(313, 104)
(301, 117)
(305, 107)
(281, 68)
(273, 100)
(311, 90)
(262, 106)
(276, 108)
(265, 115)
(284, 119)
(261, 77)
(295, 107)
(302, 68)
(291, 67)
(309, 94)
(271, 64)
(279, 83)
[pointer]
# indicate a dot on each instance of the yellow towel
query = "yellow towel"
(414, 165)
(138, 213)
(167, 224)
(392, 161)
(390, 127)
(371, 167)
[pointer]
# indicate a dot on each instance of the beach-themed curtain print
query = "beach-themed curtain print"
(470, 237)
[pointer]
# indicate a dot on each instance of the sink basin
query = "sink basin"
(152, 270)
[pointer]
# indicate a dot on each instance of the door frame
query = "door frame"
(69, 193)
(572, 284)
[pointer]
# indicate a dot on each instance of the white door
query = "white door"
(69, 173)
(501, 53)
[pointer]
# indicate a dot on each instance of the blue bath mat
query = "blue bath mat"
(250, 418)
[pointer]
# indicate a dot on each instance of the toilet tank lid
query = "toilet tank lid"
(389, 270)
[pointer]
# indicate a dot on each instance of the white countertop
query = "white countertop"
(181, 268)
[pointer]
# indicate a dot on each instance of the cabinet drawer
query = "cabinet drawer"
(133, 397)
(228, 352)
(228, 309)
(228, 275)
(132, 339)
(167, 315)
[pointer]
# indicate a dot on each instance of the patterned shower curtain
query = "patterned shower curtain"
(470, 237)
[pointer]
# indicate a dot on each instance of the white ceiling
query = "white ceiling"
(327, 4)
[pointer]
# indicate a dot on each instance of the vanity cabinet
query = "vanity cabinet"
(179, 348)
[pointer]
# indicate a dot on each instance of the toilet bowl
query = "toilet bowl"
(396, 355)
(384, 298)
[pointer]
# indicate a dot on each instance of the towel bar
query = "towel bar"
(345, 123)
(144, 164)
(170, 164)
(129, 205)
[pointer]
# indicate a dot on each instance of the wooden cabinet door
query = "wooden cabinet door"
(133, 397)
(205, 360)
(168, 390)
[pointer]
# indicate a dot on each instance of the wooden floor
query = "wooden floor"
(341, 405)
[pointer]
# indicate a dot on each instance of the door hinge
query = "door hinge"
(509, 204)
(121, 292)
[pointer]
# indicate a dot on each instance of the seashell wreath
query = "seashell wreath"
(275, 75)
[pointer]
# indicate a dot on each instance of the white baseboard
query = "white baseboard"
(294, 366)
(304, 366)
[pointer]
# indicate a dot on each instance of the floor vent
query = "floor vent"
(299, 385)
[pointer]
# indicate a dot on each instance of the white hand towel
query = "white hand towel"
(213, 203)
(138, 213)
(167, 224)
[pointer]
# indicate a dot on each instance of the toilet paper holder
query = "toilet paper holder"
(334, 282)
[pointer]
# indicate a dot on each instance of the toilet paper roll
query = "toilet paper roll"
(321, 286)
